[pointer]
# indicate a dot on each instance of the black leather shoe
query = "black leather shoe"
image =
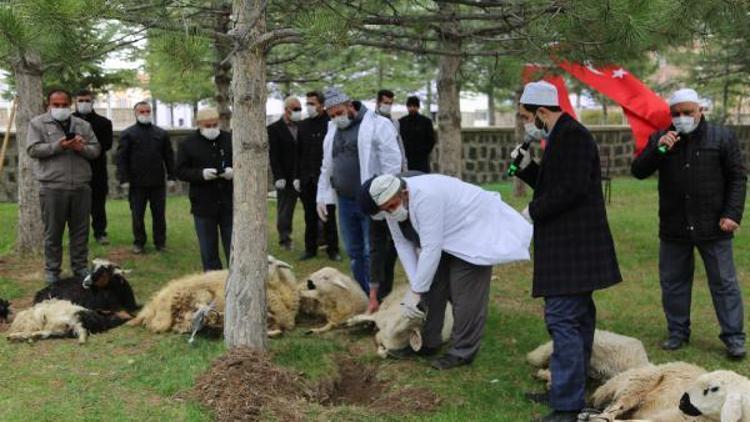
(307, 256)
(736, 352)
(674, 343)
(409, 353)
(540, 398)
(449, 362)
(334, 257)
(559, 416)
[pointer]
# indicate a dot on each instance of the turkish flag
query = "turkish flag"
(532, 72)
(646, 112)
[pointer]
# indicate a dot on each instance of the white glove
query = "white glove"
(322, 209)
(228, 173)
(171, 184)
(125, 185)
(526, 215)
(295, 183)
(280, 184)
(210, 174)
(526, 157)
(409, 307)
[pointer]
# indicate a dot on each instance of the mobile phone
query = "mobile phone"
(69, 136)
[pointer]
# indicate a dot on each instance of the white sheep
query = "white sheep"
(395, 331)
(648, 393)
(611, 354)
(59, 318)
(722, 396)
(333, 295)
(175, 305)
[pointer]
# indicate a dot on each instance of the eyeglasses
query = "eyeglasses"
(297, 109)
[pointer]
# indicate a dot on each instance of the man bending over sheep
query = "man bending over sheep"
(448, 234)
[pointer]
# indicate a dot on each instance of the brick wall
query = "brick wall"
(485, 152)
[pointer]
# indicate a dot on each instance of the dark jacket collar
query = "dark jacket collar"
(563, 121)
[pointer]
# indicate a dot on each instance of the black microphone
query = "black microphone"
(516, 164)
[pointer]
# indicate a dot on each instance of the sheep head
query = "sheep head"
(101, 273)
(719, 395)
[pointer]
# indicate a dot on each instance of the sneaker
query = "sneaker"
(137, 249)
(448, 361)
(736, 352)
(102, 240)
(674, 343)
(307, 256)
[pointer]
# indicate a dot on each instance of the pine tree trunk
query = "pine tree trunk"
(28, 73)
(223, 71)
(449, 107)
(245, 316)
(490, 106)
(519, 187)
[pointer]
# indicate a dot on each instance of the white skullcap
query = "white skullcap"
(539, 93)
(384, 187)
(207, 113)
(685, 95)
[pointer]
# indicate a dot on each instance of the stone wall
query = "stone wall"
(485, 152)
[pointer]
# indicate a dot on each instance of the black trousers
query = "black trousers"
(208, 229)
(309, 191)
(98, 209)
(156, 198)
(286, 200)
(383, 257)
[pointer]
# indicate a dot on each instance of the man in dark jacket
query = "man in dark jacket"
(418, 136)
(204, 160)
(102, 127)
(309, 158)
(143, 155)
(702, 183)
(282, 150)
(574, 253)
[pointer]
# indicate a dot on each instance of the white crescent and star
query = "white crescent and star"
(619, 73)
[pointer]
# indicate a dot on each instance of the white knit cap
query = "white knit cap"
(384, 187)
(539, 93)
(684, 95)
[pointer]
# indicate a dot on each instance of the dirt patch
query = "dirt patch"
(118, 255)
(245, 385)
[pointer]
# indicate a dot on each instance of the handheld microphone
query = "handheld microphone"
(513, 168)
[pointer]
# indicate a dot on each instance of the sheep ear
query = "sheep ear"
(732, 409)
(415, 340)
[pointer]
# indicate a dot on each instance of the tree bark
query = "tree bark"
(245, 316)
(490, 106)
(28, 73)
(223, 69)
(519, 187)
(449, 107)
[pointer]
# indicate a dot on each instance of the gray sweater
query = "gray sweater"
(55, 167)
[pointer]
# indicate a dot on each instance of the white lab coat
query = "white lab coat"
(378, 151)
(461, 219)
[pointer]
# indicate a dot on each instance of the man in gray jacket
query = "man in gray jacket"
(62, 144)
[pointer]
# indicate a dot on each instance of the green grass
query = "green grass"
(128, 374)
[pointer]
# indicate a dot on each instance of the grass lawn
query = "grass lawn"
(128, 374)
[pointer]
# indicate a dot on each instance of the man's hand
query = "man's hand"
(125, 185)
(64, 142)
(228, 173)
(373, 305)
(728, 225)
(410, 306)
(295, 184)
(526, 215)
(77, 143)
(669, 139)
(210, 174)
(280, 184)
(171, 184)
(322, 209)
(526, 157)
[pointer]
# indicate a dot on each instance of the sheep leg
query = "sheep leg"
(328, 327)
(80, 332)
(274, 333)
(546, 376)
(18, 337)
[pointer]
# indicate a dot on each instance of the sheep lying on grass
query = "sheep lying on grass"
(611, 354)
(722, 396)
(649, 393)
(196, 301)
(59, 318)
(330, 293)
(105, 289)
(395, 331)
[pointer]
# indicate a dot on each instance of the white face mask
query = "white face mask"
(532, 132)
(341, 122)
(296, 116)
(400, 214)
(684, 124)
(312, 111)
(210, 133)
(143, 119)
(385, 109)
(84, 107)
(61, 114)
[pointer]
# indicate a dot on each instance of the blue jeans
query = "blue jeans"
(355, 230)
(571, 321)
(207, 229)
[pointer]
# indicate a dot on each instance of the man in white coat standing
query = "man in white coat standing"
(358, 145)
(449, 234)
